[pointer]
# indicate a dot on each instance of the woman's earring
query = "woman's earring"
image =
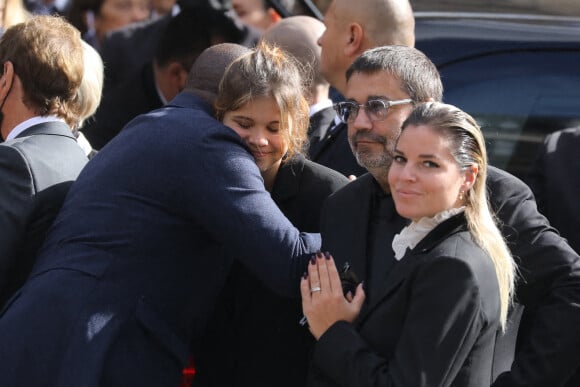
(460, 195)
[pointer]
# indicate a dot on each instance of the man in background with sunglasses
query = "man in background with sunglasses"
(359, 221)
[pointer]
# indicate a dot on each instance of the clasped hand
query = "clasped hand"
(323, 301)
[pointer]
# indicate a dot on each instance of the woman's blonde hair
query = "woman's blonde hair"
(468, 149)
(266, 71)
(91, 88)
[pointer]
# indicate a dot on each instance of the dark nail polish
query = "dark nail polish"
(319, 255)
(313, 260)
(305, 275)
(327, 254)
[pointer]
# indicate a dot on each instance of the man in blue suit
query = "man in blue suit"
(132, 267)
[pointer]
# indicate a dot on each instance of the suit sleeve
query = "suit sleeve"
(443, 321)
(234, 207)
(548, 287)
(15, 196)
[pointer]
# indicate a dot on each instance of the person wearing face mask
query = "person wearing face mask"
(39, 158)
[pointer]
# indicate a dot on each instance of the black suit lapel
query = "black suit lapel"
(357, 213)
(395, 278)
(401, 269)
(321, 119)
(316, 147)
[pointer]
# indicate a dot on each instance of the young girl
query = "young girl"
(261, 97)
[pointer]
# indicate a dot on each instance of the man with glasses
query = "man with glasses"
(359, 221)
(351, 28)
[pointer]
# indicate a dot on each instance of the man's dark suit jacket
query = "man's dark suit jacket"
(320, 120)
(549, 270)
(36, 171)
(432, 324)
(256, 337)
(556, 184)
(137, 95)
(333, 151)
(133, 264)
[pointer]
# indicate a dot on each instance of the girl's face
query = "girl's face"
(258, 124)
(424, 177)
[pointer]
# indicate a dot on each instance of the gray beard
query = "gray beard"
(368, 161)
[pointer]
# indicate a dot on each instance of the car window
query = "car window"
(517, 97)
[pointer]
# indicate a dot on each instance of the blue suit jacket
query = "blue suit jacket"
(132, 267)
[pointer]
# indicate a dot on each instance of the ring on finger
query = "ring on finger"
(315, 289)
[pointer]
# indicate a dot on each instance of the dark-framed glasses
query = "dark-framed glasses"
(376, 109)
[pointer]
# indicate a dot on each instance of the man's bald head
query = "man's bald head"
(386, 22)
(299, 35)
(208, 69)
(356, 26)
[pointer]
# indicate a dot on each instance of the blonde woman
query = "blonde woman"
(442, 303)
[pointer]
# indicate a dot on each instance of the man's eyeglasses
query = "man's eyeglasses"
(376, 109)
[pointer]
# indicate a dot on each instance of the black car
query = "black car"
(518, 75)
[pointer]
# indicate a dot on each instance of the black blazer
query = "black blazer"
(36, 171)
(555, 183)
(334, 152)
(433, 324)
(549, 272)
(318, 121)
(255, 338)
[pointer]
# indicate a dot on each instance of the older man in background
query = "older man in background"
(42, 69)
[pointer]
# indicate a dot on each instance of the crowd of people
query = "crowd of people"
(278, 200)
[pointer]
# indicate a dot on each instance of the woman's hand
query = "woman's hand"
(323, 302)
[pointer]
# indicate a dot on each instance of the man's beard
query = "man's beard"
(367, 158)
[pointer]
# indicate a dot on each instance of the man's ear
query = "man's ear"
(6, 79)
(354, 45)
(177, 74)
